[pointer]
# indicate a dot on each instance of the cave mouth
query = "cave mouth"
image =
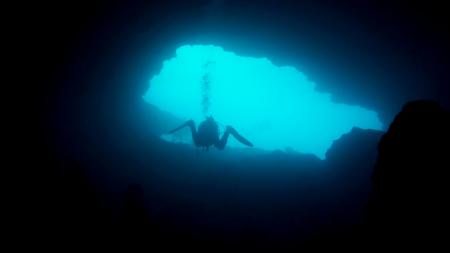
(276, 107)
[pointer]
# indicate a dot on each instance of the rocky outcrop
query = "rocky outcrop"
(410, 181)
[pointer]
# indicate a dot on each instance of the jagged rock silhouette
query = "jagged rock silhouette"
(410, 183)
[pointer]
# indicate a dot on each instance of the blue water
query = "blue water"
(275, 107)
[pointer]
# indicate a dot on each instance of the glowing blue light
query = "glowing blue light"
(274, 107)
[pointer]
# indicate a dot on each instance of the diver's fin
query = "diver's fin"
(239, 137)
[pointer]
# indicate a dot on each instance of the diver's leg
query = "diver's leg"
(239, 137)
(223, 141)
(191, 125)
(178, 128)
(230, 130)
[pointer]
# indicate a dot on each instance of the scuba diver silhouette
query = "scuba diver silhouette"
(207, 134)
